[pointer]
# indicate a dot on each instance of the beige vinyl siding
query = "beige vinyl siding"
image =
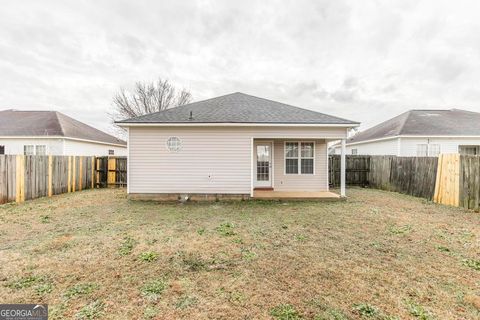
(211, 160)
(300, 182)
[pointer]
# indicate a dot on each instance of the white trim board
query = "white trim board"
(237, 124)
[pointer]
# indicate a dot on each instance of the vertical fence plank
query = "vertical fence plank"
(80, 176)
(3, 179)
(74, 173)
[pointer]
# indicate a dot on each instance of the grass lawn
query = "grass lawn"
(379, 255)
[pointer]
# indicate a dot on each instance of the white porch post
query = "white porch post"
(342, 168)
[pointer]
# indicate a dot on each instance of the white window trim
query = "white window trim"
(299, 157)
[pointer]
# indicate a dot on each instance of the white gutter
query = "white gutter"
(412, 136)
(62, 137)
(228, 124)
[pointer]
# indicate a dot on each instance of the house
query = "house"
(53, 133)
(420, 133)
(235, 146)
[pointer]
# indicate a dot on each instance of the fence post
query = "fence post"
(50, 176)
(343, 169)
(93, 172)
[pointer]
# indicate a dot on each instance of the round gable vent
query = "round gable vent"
(174, 144)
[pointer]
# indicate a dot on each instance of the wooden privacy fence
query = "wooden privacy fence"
(410, 175)
(450, 179)
(356, 173)
(29, 177)
(111, 171)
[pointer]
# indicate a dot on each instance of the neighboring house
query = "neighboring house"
(53, 133)
(230, 145)
(420, 133)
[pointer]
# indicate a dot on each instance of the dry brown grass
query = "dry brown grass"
(379, 254)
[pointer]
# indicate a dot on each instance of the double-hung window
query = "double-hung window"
(433, 150)
(40, 150)
(29, 150)
(299, 157)
(422, 150)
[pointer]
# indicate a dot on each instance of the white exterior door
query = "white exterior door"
(263, 165)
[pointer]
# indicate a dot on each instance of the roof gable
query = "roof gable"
(238, 108)
(452, 122)
(50, 123)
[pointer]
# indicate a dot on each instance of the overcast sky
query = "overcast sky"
(362, 60)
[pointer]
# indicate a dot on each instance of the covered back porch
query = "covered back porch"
(293, 168)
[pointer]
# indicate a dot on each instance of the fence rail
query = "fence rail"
(29, 177)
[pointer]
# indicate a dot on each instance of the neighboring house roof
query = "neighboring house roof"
(238, 108)
(452, 122)
(50, 123)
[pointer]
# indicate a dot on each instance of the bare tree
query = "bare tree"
(148, 98)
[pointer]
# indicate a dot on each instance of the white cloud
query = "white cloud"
(363, 60)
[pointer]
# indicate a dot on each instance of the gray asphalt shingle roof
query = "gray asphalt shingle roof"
(452, 122)
(239, 108)
(50, 123)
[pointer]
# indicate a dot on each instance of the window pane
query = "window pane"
(28, 150)
(421, 150)
(307, 149)
(40, 150)
(433, 150)
(307, 166)
(2, 149)
(354, 151)
(291, 149)
(291, 166)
